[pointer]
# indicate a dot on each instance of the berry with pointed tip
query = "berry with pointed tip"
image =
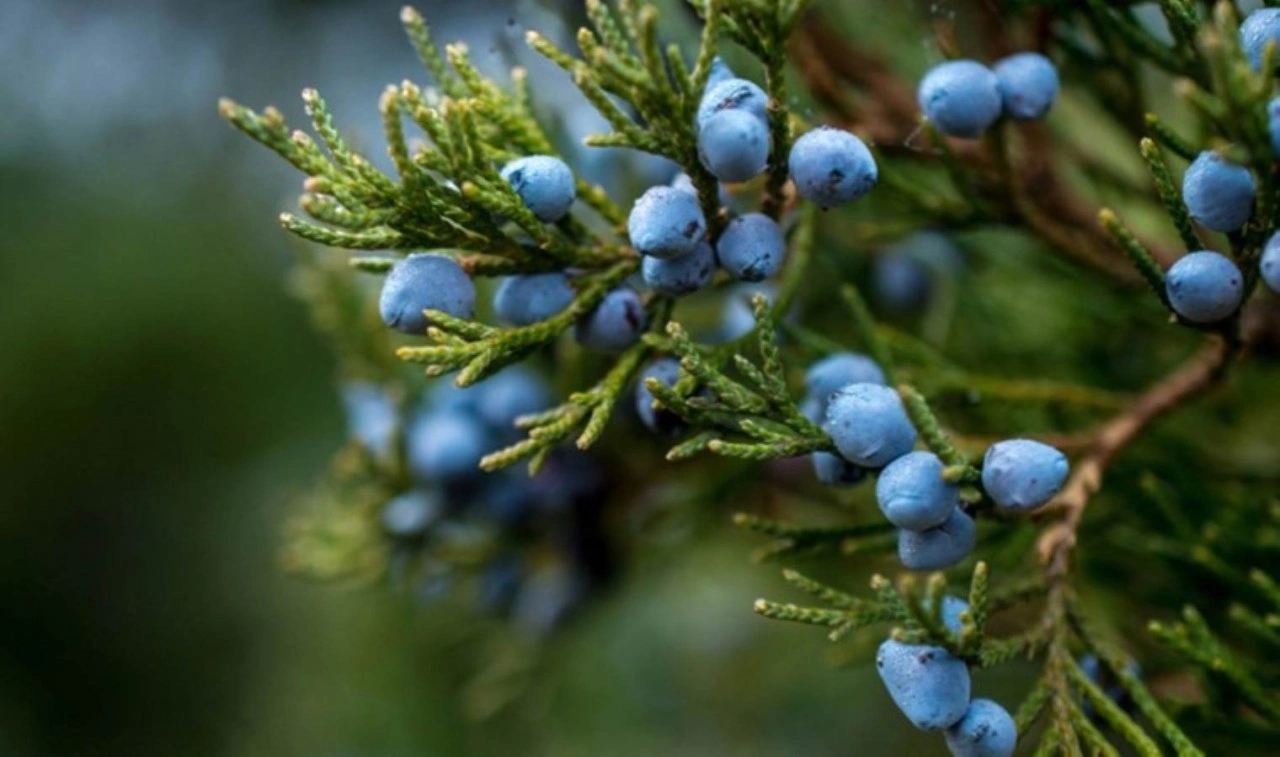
(447, 445)
(986, 730)
(869, 425)
(928, 684)
(1023, 474)
(838, 370)
(720, 72)
(1218, 194)
(1259, 28)
(527, 299)
(615, 324)
(666, 223)
(1270, 265)
(425, 281)
(509, 394)
(832, 167)
(752, 247)
(834, 470)
(411, 513)
(940, 547)
(683, 275)
(732, 94)
(1028, 85)
(960, 97)
(912, 493)
(658, 420)
(544, 184)
(734, 145)
(1204, 287)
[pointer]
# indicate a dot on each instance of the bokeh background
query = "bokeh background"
(163, 400)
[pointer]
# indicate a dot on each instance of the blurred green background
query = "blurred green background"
(162, 398)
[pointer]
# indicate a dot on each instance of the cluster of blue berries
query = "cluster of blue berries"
(846, 394)
(932, 688)
(453, 502)
(962, 98)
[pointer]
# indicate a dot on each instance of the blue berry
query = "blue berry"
(832, 167)
(734, 145)
(685, 184)
(508, 496)
(752, 247)
(1028, 85)
(928, 684)
(1270, 265)
(904, 274)
(444, 395)
(1218, 194)
(666, 223)
(447, 445)
(1023, 474)
(425, 281)
(1259, 28)
(952, 608)
(732, 94)
(834, 470)
(869, 425)
(1273, 125)
(836, 371)
(986, 730)
(940, 547)
(912, 493)
(507, 395)
(545, 185)
(737, 318)
(682, 275)
(615, 324)
(659, 420)
(371, 416)
(528, 299)
(1204, 287)
(720, 72)
(411, 513)
(960, 97)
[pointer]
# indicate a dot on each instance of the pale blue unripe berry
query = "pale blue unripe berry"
(1273, 125)
(683, 275)
(658, 420)
(1204, 287)
(425, 281)
(940, 547)
(986, 730)
(666, 223)
(530, 298)
(544, 184)
(411, 513)
(1218, 194)
(831, 167)
(734, 145)
(838, 370)
(447, 445)
(912, 493)
(615, 324)
(834, 470)
(960, 97)
(720, 72)
(869, 425)
(1259, 28)
(371, 416)
(752, 247)
(1023, 474)
(733, 94)
(1028, 85)
(928, 684)
(1270, 265)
